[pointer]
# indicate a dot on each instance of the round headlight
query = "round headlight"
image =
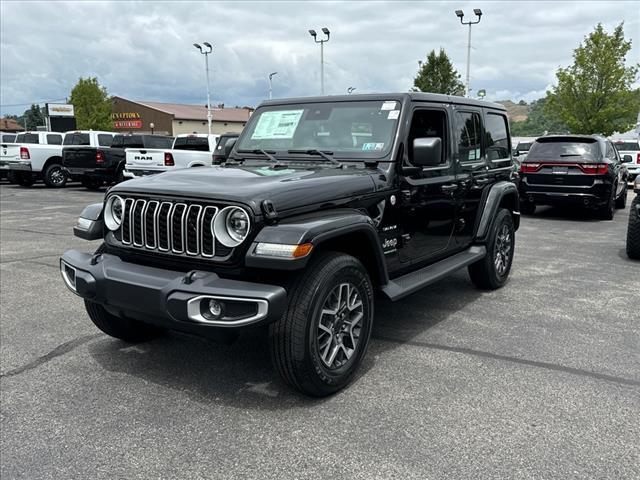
(113, 212)
(231, 226)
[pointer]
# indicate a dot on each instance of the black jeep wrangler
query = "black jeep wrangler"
(321, 203)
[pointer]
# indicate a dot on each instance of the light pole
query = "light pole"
(313, 33)
(152, 126)
(460, 15)
(206, 53)
(271, 75)
(350, 90)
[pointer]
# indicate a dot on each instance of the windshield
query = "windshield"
(561, 148)
(76, 139)
(627, 146)
(355, 129)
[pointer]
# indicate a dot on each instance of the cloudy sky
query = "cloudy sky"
(144, 50)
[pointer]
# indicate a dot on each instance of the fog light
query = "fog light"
(215, 308)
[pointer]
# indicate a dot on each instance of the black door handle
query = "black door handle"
(452, 187)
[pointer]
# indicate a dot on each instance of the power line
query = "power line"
(33, 103)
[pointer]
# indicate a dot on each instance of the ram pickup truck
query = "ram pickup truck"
(102, 164)
(188, 150)
(34, 156)
(303, 224)
(84, 158)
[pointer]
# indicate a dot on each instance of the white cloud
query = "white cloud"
(144, 50)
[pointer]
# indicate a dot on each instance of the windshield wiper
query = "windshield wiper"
(266, 153)
(326, 155)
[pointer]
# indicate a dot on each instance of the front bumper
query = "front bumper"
(20, 165)
(169, 299)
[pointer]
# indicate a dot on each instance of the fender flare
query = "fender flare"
(93, 225)
(316, 229)
(52, 159)
(491, 199)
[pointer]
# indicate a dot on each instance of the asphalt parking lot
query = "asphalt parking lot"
(540, 379)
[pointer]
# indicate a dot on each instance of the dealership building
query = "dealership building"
(173, 118)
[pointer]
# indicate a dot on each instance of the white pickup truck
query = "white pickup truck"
(34, 156)
(188, 150)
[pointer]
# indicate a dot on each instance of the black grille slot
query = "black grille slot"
(150, 224)
(177, 227)
(126, 221)
(136, 222)
(208, 242)
(163, 226)
(193, 229)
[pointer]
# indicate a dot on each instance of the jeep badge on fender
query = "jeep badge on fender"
(321, 204)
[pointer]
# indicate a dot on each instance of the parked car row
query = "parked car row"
(96, 158)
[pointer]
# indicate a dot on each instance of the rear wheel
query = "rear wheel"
(131, 331)
(621, 201)
(607, 211)
(319, 342)
(24, 179)
(91, 183)
(54, 176)
(12, 177)
(527, 208)
(492, 271)
(633, 230)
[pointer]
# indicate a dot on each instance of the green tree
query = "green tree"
(594, 94)
(539, 121)
(91, 104)
(33, 117)
(437, 75)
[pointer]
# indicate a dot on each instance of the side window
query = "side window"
(104, 140)
(429, 123)
(117, 141)
(497, 139)
(54, 139)
(611, 152)
(469, 137)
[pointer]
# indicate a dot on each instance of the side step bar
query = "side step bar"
(407, 284)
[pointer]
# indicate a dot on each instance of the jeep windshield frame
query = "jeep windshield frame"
(354, 130)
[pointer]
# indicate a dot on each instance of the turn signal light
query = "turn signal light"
(24, 153)
(99, 157)
(168, 160)
(283, 250)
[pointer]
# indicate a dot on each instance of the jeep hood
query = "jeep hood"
(286, 188)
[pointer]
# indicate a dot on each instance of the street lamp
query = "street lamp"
(460, 15)
(350, 90)
(313, 33)
(271, 75)
(206, 51)
(152, 126)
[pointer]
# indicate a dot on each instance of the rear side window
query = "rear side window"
(469, 137)
(105, 140)
(553, 148)
(200, 144)
(53, 139)
(27, 138)
(76, 139)
(8, 138)
(158, 142)
(627, 146)
(497, 137)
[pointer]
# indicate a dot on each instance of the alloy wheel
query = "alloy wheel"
(340, 325)
(503, 250)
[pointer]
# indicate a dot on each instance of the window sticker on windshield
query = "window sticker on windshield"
(269, 172)
(393, 114)
(372, 146)
(280, 124)
(388, 105)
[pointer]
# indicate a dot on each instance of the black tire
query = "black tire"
(633, 230)
(54, 176)
(24, 179)
(131, 331)
(527, 208)
(296, 340)
(120, 176)
(491, 273)
(91, 183)
(621, 201)
(607, 211)
(12, 177)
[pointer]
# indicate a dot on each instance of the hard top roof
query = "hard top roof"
(400, 97)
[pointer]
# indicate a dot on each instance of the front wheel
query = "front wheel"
(54, 176)
(91, 183)
(492, 271)
(321, 339)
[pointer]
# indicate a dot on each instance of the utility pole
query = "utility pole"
(206, 53)
(460, 15)
(313, 33)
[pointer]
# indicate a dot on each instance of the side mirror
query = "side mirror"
(515, 152)
(627, 159)
(229, 146)
(427, 152)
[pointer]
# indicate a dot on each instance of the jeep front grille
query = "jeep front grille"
(172, 227)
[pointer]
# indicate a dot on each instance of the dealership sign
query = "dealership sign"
(59, 110)
(127, 124)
